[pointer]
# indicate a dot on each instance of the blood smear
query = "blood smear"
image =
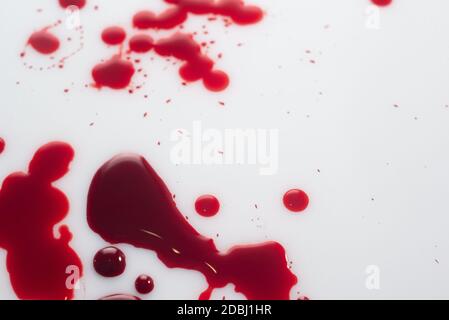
(39, 263)
(129, 203)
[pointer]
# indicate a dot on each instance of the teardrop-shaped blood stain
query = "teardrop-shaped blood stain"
(41, 265)
(44, 42)
(129, 203)
(116, 73)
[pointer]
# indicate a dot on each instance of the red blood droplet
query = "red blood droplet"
(115, 73)
(144, 284)
(207, 206)
(216, 81)
(296, 200)
(113, 35)
(141, 43)
(39, 263)
(44, 42)
(110, 262)
(382, 3)
(67, 3)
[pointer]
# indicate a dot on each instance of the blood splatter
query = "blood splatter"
(176, 15)
(113, 35)
(67, 3)
(116, 73)
(296, 200)
(129, 203)
(207, 206)
(144, 284)
(38, 262)
(110, 262)
(44, 42)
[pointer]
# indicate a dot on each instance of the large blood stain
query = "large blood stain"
(129, 203)
(39, 263)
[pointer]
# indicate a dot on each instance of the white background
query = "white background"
(381, 197)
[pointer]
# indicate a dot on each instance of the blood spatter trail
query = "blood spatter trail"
(109, 262)
(44, 41)
(144, 284)
(129, 203)
(296, 200)
(197, 66)
(67, 3)
(30, 207)
(174, 16)
(117, 297)
(116, 73)
(382, 3)
(113, 35)
(207, 206)
(2, 145)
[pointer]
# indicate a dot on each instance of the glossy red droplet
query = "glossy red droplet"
(110, 262)
(41, 265)
(113, 35)
(382, 3)
(144, 284)
(116, 73)
(207, 206)
(296, 200)
(67, 3)
(129, 203)
(44, 42)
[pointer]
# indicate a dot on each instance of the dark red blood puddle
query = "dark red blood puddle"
(119, 297)
(67, 3)
(30, 208)
(113, 35)
(296, 200)
(116, 73)
(2, 145)
(382, 3)
(44, 42)
(129, 203)
(144, 284)
(177, 14)
(207, 206)
(110, 262)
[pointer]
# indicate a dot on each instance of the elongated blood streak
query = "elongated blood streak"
(38, 262)
(67, 3)
(174, 16)
(44, 41)
(129, 203)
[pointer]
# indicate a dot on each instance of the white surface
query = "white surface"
(363, 146)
